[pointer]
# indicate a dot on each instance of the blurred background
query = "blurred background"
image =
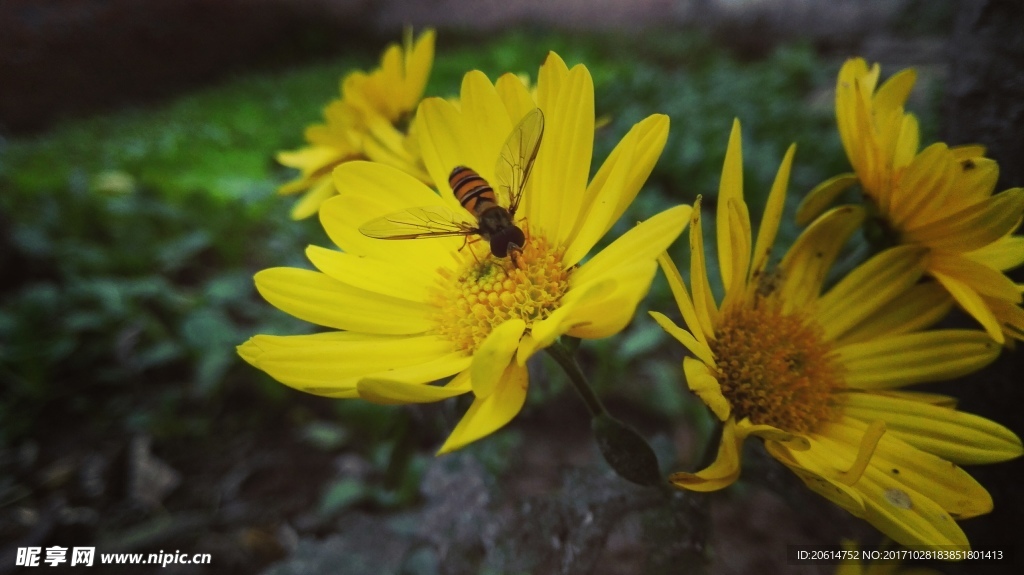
(137, 199)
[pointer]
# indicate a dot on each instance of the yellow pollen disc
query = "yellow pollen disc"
(487, 291)
(776, 369)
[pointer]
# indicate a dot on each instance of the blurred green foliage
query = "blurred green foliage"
(109, 290)
(129, 241)
(220, 141)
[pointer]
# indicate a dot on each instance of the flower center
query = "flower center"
(776, 369)
(487, 291)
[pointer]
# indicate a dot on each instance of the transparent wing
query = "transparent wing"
(517, 158)
(424, 222)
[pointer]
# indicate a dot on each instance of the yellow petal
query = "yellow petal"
(847, 93)
(887, 106)
(311, 201)
(313, 160)
(977, 178)
(341, 130)
(868, 288)
(390, 392)
(494, 355)
(818, 469)
(894, 92)
(730, 189)
(975, 305)
(697, 348)
(486, 118)
(632, 161)
(703, 383)
(869, 439)
(1003, 254)
(909, 495)
(563, 162)
(601, 317)
(977, 277)
(528, 345)
(723, 472)
(915, 309)
(488, 414)
(856, 120)
(389, 74)
(319, 299)
(445, 141)
(922, 193)
(644, 242)
(703, 299)
(331, 363)
(973, 227)
(945, 483)
(418, 62)
(950, 434)
(772, 215)
(822, 196)
(739, 237)
(792, 441)
(897, 137)
(552, 76)
(807, 262)
(295, 186)
(907, 143)
(968, 151)
(906, 516)
(368, 191)
(1010, 316)
(546, 331)
(936, 399)
(384, 143)
(427, 372)
(373, 275)
(516, 96)
(682, 297)
(591, 225)
(895, 361)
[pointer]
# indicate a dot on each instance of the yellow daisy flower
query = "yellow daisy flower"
(372, 120)
(408, 313)
(816, 375)
(939, 198)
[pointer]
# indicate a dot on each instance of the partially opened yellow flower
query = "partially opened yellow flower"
(817, 375)
(411, 312)
(372, 120)
(939, 198)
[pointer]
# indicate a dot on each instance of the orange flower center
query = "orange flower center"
(487, 291)
(775, 368)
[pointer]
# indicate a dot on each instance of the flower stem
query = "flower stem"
(565, 358)
(625, 450)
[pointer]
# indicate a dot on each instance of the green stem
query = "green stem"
(565, 358)
(625, 451)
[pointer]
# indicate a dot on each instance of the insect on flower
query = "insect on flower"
(494, 212)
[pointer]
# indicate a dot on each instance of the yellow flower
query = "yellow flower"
(816, 375)
(411, 312)
(939, 198)
(372, 120)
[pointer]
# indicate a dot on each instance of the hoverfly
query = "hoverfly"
(494, 213)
